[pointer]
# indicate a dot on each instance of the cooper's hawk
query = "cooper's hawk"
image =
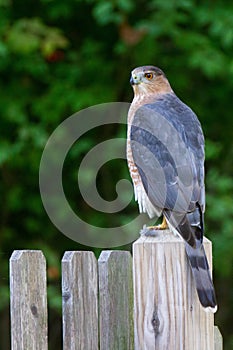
(165, 152)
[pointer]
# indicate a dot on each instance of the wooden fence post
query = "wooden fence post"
(168, 314)
(28, 304)
(80, 301)
(115, 300)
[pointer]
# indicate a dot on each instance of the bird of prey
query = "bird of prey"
(165, 154)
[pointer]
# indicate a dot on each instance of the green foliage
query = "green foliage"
(219, 219)
(58, 57)
(29, 35)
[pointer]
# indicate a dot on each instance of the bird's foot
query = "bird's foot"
(162, 226)
(151, 230)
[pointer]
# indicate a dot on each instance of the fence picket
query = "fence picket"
(28, 304)
(115, 300)
(218, 342)
(79, 301)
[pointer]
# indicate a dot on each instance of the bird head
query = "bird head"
(149, 79)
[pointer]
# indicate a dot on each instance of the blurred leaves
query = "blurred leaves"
(219, 218)
(107, 12)
(27, 35)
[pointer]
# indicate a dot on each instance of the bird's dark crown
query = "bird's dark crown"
(153, 69)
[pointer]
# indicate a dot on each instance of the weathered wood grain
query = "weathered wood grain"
(116, 300)
(80, 301)
(28, 301)
(168, 314)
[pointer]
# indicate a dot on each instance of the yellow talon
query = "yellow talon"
(162, 226)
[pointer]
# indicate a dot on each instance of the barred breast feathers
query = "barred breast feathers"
(145, 205)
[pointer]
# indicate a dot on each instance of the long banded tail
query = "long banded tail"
(201, 273)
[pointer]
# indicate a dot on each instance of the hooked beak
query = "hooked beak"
(134, 80)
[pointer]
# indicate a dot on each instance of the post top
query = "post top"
(163, 236)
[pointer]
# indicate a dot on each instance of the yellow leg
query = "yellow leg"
(162, 226)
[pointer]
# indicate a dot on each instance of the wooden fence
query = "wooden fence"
(120, 302)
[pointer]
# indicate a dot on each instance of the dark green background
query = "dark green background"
(57, 57)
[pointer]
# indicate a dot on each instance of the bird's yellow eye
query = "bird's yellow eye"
(148, 76)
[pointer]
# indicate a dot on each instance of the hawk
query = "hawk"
(165, 154)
